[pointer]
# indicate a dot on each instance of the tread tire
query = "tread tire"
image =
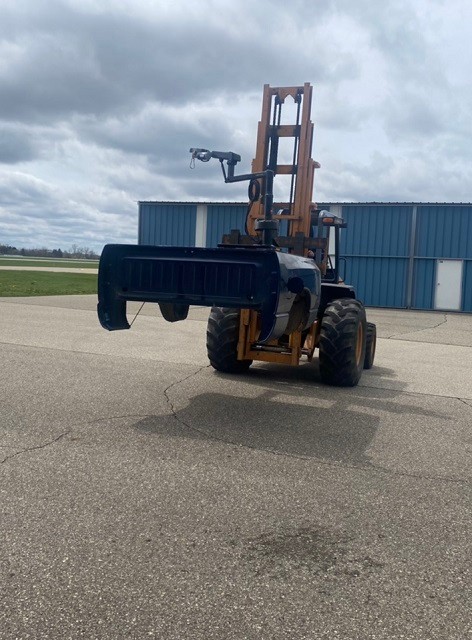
(342, 342)
(222, 341)
(370, 345)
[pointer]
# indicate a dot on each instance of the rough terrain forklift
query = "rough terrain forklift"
(275, 289)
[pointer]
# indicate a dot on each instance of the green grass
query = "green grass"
(44, 262)
(43, 283)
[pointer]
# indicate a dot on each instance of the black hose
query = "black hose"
(254, 190)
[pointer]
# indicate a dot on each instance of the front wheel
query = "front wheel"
(342, 342)
(222, 341)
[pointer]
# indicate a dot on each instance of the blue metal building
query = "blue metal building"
(401, 255)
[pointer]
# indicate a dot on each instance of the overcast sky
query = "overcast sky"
(100, 101)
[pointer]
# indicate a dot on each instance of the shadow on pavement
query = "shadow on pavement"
(288, 416)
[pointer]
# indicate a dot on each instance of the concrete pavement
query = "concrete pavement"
(144, 495)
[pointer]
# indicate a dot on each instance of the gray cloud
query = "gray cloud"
(64, 60)
(15, 146)
(101, 101)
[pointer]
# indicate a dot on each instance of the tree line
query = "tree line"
(76, 252)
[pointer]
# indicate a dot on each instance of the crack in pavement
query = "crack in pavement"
(174, 384)
(40, 446)
(364, 468)
(418, 330)
(464, 401)
(77, 424)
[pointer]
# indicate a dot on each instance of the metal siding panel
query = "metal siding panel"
(379, 282)
(423, 284)
(171, 224)
(221, 219)
(467, 287)
(465, 236)
(349, 235)
(448, 236)
(464, 233)
(148, 226)
(395, 293)
(376, 246)
(425, 244)
(142, 221)
(151, 227)
(376, 230)
(444, 231)
(162, 231)
(384, 239)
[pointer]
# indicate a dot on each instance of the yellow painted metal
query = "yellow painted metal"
(311, 341)
(359, 343)
(304, 167)
(299, 217)
(290, 353)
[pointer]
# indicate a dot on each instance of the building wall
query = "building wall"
(375, 246)
(391, 251)
(167, 223)
(442, 232)
(221, 218)
(423, 284)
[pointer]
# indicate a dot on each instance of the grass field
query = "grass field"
(43, 283)
(29, 262)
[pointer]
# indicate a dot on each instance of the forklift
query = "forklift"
(274, 288)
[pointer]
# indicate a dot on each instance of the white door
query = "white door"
(448, 285)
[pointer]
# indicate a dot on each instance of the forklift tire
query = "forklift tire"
(370, 344)
(342, 342)
(222, 341)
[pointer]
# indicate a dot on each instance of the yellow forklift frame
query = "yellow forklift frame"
(298, 211)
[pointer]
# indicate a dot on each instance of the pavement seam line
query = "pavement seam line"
(413, 393)
(87, 353)
(361, 386)
(369, 469)
(444, 344)
(418, 330)
(40, 446)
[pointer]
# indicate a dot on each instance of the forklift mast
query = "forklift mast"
(307, 227)
(297, 210)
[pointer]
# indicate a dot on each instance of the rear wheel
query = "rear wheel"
(370, 344)
(342, 342)
(222, 341)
